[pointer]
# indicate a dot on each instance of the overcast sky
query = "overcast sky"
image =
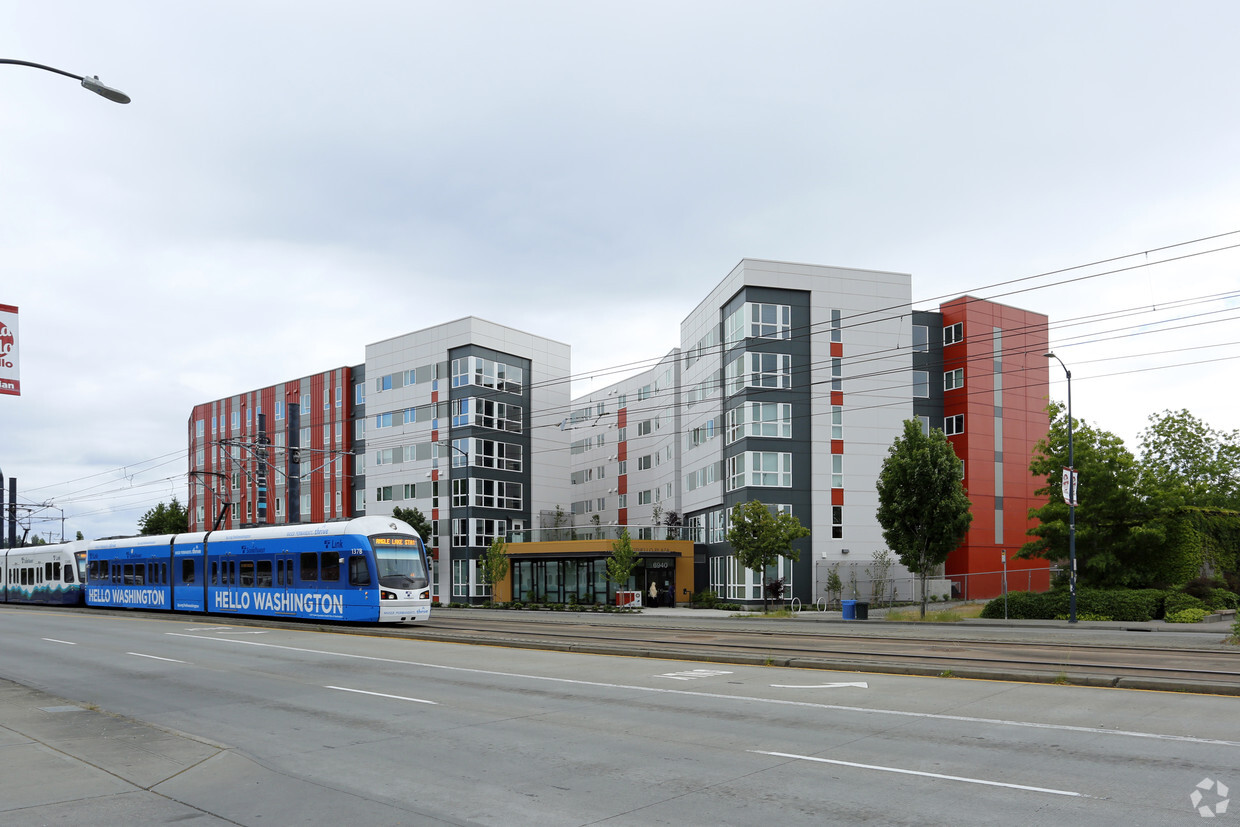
(295, 180)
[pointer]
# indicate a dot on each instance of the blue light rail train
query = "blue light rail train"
(366, 570)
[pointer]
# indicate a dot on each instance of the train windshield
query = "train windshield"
(401, 560)
(80, 557)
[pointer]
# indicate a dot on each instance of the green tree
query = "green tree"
(760, 538)
(493, 564)
(417, 520)
(1184, 458)
(622, 561)
(81, 536)
(165, 519)
(1117, 531)
(922, 505)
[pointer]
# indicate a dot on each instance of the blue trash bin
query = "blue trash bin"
(850, 609)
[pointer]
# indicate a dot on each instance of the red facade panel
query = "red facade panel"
(1003, 400)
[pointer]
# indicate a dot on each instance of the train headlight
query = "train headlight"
(386, 595)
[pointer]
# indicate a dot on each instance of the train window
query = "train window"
(128, 574)
(359, 572)
(187, 571)
(279, 572)
(247, 572)
(262, 575)
(116, 572)
(231, 566)
(309, 566)
(215, 574)
(68, 574)
(48, 576)
(23, 578)
(331, 566)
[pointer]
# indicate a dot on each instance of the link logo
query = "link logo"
(1217, 791)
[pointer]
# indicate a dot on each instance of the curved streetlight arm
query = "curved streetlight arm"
(1071, 500)
(92, 82)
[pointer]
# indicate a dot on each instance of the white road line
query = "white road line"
(65, 642)
(858, 684)
(747, 698)
(940, 776)
(155, 657)
(381, 695)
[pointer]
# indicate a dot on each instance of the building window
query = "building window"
(921, 338)
(837, 470)
(837, 422)
(763, 469)
(759, 370)
(279, 409)
(953, 379)
(837, 522)
(836, 329)
(305, 404)
(760, 419)
(925, 424)
(383, 494)
(953, 424)
(953, 333)
(359, 393)
(921, 383)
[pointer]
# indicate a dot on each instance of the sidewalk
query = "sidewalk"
(62, 761)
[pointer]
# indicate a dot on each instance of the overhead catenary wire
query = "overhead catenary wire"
(551, 418)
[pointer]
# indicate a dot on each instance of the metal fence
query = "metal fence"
(858, 583)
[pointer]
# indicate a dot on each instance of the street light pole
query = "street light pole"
(90, 82)
(1071, 487)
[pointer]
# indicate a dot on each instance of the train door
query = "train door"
(228, 582)
(284, 570)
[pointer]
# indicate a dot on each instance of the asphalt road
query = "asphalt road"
(259, 725)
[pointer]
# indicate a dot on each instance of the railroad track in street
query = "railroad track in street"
(1206, 668)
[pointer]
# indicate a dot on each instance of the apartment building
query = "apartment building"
(788, 385)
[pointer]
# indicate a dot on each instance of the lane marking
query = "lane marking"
(693, 674)
(937, 775)
(382, 695)
(901, 713)
(65, 642)
(156, 657)
(858, 684)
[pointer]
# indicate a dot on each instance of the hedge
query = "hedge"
(1131, 606)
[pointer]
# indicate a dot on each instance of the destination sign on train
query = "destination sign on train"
(395, 541)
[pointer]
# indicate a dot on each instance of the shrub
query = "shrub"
(1200, 587)
(706, 599)
(1187, 616)
(1222, 599)
(1179, 601)
(1127, 605)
